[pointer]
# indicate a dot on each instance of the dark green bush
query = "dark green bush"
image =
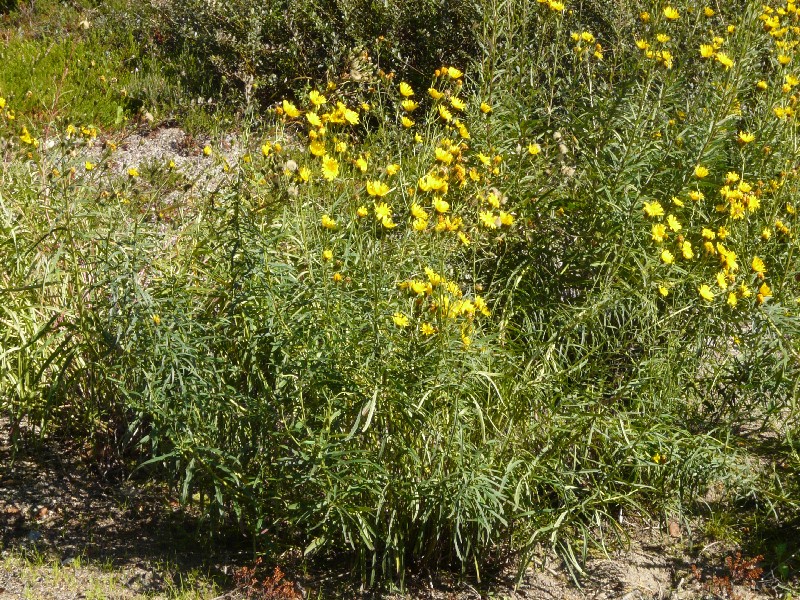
(265, 49)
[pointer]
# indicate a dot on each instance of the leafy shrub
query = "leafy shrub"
(266, 49)
(433, 326)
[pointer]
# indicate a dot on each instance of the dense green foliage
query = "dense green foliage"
(270, 48)
(432, 327)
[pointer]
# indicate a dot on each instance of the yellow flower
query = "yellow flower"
(419, 224)
(156, 319)
(443, 155)
(673, 223)
(665, 57)
(706, 50)
(26, 138)
(696, 195)
(642, 45)
(488, 219)
(725, 60)
(645, 17)
(351, 116)
(458, 103)
(453, 73)
(207, 150)
(431, 183)
(383, 211)
(708, 11)
(400, 319)
(409, 105)
(722, 280)
(506, 219)
(758, 265)
(708, 233)
(316, 98)
(361, 164)
(406, 90)
(762, 85)
(784, 59)
(317, 148)
(407, 122)
(700, 171)
(89, 165)
(313, 119)
(667, 257)
(671, 13)
(745, 137)
(418, 212)
(663, 290)
(266, 149)
(388, 223)
(765, 290)
(362, 211)
(653, 209)
(534, 149)
(766, 233)
(328, 223)
(485, 108)
(330, 168)
(290, 110)
(662, 38)
(377, 188)
(337, 277)
(444, 113)
(658, 232)
(463, 237)
(427, 329)
(440, 205)
(392, 169)
(133, 172)
(686, 250)
(327, 255)
(304, 174)
(434, 93)
(706, 293)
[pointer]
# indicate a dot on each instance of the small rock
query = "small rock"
(674, 529)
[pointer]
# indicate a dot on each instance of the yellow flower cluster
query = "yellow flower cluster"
(442, 300)
(585, 45)
(554, 5)
(740, 199)
(781, 25)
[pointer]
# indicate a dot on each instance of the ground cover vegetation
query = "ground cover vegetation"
(452, 302)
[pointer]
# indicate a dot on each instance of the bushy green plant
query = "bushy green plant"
(432, 322)
(264, 50)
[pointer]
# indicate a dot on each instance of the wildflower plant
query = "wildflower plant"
(425, 321)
